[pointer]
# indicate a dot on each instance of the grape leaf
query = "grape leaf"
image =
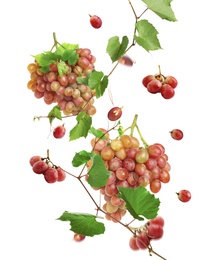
(115, 49)
(98, 174)
(97, 133)
(55, 113)
(84, 224)
(82, 127)
(64, 47)
(162, 8)
(71, 56)
(147, 36)
(81, 158)
(139, 202)
(45, 59)
(98, 81)
(61, 68)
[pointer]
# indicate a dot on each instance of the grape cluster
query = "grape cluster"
(64, 89)
(130, 166)
(50, 172)
(160, 84)
(152, 230)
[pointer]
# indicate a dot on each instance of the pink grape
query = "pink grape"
(176, 134)
(184, 195)
(78, 237)
(40, 167)
(51, 175)
(95, 21)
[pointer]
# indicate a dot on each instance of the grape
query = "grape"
(142, 240)
(78, 237)
(40, 167)
(184, 195)
(172, 81)
(133, 244)
(154, 86)
(95, 21)
(158, 221)
(167, 91)
(51, 175)
(125, 60)
(61, 174)
(147, 79)
(107, 153)
(114, 113)
(121, 173)
(59, 131)
(164, 176)
(155, 185)
(35, 159)
(176, 134)
(142, 155)
(154, 231)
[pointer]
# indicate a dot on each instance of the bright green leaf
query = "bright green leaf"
(147, 36)
(71, 56)
(65, 46)
(45, 59)
(140, 202)
(98, 174)
(82, 127)
(61, 68)
(84, 224)
(98, 81)
(97, 133)
(81, 158)
(115, 49)
(162, 8)
(55, 113)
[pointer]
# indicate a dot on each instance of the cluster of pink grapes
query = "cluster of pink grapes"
(64, 89)
(50, 172)
(160, 84)
(152, 230)
(130, 166)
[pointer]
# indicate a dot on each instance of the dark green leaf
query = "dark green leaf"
(82, 127)
(140, 202)
(147, 36)
(115, 49)
(83, 80)
(81, 158)
(55, 113)
(84, 224)
(98, 174)
(162, 8)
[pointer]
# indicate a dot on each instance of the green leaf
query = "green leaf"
(55, 113)
(83, 80)
(140, 202)
(120, 130)
(84, 224)
(147, 36)
(45, 59)
(162, 8)
(82, 127)
(61, 68)
(97, 133)
(71, 56)
(81, 158)
(98, 81)
(115, 49)
(98, 174)
(64, 47)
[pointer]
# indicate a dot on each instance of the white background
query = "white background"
(30, 206)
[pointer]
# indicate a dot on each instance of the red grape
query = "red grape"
(95, 21)
(59, 131)
(125, 60)
(184, 195)
(61, 174)
(78, 237)
(51, 175)
(155, 231)
(176, 134)
(154, 86)
(167, 91)
(133, 244)
(157, 221)
(40, 167)
(142, 240)
(114, 113)
(171, 81)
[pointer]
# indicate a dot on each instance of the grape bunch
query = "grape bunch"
(50, 172)
(130, 166)
(152, 230)
(64, 89)
(160, 84)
